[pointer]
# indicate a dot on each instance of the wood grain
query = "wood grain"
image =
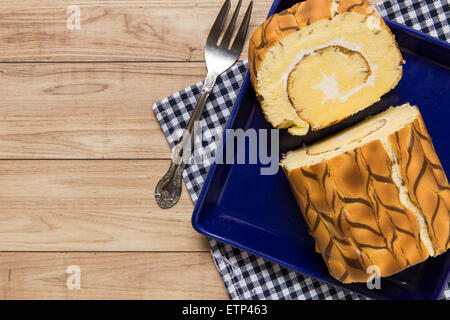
(87, 110)
(91, 206)
(147, 275)
(87, 94)
(145, 30)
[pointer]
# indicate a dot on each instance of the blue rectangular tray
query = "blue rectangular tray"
(259, 213)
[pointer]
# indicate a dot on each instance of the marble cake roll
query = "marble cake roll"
(373, 195)
(321, 61)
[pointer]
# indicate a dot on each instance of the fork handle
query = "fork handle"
(196, 115)
(168, 189)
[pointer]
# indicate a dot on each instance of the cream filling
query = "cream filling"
(364, 132)
(334, 8)
(372, 127)
(405, 200)
(329, 87)
(373, 23)
(328, 84)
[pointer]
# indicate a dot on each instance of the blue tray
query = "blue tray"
(259, 214)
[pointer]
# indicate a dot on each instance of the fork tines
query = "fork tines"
(217, 28)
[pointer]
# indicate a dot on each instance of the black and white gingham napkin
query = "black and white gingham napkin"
(245, 275)
(429, 16)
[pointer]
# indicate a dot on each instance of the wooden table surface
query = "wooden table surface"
(81, 150)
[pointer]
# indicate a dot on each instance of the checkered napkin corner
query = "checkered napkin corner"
(247, 276)
(428, 16)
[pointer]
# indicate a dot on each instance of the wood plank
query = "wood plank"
(82, 205)
(145, 30)
(110, 276)
(87, 110)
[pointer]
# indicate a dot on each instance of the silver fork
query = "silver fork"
(218, 57)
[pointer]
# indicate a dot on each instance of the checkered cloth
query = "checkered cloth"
(247, 276)
(429, 16)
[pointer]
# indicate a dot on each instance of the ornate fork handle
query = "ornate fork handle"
(168, 189)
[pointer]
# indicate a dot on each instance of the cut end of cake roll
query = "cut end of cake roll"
(374, 194)
(321, 61)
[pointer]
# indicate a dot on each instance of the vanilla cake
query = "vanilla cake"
(321, 61)
(374, 194)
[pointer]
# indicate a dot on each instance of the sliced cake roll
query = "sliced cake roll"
(321, 61)
(374, 194)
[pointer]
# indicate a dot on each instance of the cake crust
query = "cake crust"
(426, 180)
(353, 211)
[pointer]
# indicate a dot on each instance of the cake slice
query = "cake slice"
(321, 61)
(374, 194)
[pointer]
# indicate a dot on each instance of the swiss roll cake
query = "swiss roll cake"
(321, 61)
(374, 194)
